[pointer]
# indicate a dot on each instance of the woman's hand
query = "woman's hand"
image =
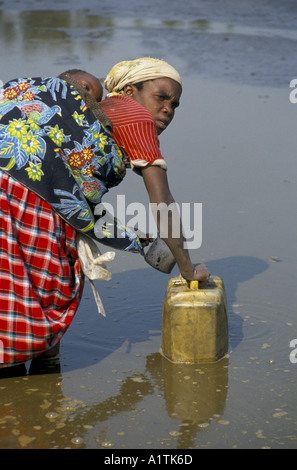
(199, 273)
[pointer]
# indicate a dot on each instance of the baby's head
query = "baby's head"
(88, 81)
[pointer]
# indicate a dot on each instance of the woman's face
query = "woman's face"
(160, 97)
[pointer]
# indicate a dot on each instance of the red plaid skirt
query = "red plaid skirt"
(41, 280)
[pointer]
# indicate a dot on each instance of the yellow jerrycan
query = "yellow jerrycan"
(194, 321)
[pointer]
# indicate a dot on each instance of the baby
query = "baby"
(87, 80)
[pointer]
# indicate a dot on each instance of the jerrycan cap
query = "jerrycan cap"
(194, 285)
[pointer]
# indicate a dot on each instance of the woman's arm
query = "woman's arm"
(155, 180)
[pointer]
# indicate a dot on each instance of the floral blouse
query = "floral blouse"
(52, 143)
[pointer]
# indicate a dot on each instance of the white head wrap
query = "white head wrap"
(138, 70)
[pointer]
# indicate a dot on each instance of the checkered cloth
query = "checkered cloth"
(41, 278)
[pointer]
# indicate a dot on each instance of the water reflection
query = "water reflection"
(49, 29)
(194, 393)
(41, 416)
(47, 42)
(211, 48)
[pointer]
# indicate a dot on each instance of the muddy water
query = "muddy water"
(232, 147)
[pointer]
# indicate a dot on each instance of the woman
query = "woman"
(142, 97)
(50, 129)
(56, 162)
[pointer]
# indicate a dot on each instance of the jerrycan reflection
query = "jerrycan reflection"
(194, 321)
(194, 393)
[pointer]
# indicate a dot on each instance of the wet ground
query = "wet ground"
(231, 147)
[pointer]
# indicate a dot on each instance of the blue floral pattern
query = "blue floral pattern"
(52, 143)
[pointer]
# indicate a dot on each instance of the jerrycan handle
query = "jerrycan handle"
(194, 285)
